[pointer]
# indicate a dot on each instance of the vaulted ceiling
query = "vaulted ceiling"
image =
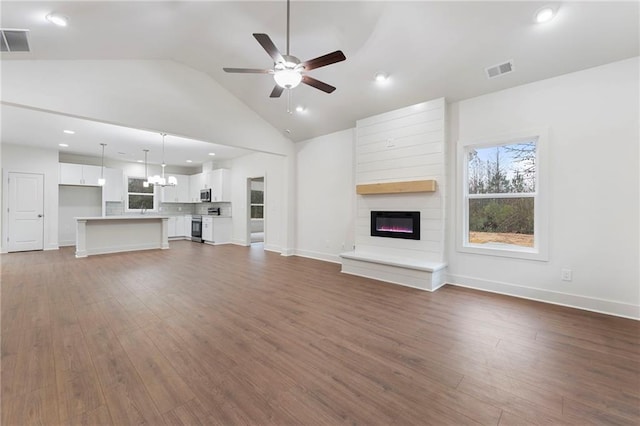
(428, 49)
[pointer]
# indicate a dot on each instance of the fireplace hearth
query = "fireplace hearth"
(390, 224)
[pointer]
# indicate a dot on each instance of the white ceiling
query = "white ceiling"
(429, 49)
(23, 126)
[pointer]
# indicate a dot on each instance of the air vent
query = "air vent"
(14, 41)
(500, 69)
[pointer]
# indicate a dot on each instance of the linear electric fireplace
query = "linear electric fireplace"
(395, 225)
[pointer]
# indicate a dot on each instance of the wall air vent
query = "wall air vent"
(500, 69)
(14, 40)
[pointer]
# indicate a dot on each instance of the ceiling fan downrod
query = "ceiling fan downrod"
(288, 20)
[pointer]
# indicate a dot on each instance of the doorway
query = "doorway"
(26, 212)
(256, 209)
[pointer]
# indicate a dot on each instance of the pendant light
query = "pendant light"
(146, 175)
(102, 181)
(161, 180)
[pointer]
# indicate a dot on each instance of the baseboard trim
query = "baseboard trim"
(288, 252)
(333, 258)
(602, 306)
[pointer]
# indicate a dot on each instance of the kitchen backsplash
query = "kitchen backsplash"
(176, 208)
(116, 208)
(225, 208)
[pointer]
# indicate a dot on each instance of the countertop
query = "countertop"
(124, 217)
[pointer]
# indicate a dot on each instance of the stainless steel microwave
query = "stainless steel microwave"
(205, 195)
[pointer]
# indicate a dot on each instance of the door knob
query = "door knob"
(40, 215)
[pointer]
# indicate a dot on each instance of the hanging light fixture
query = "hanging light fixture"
(102, 181)
(146, 183)
(161, 180)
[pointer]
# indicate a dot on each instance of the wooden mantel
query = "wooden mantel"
(396, 187)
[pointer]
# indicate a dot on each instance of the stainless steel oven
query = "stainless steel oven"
(196, 228)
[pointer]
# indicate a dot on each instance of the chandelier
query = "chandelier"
(158, 180)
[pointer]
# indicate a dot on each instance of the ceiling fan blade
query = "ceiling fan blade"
(324, 60)
(276, 92)
(248, 70)
(267, 44)
(317, 84)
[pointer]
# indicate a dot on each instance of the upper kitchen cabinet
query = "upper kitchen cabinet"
(219, 181)
(79, 174)
(179, 193)
(114, 185)
(196, 183)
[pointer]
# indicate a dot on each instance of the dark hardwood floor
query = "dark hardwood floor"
(231, 335)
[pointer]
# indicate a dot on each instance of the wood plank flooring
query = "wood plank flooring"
(225, 335)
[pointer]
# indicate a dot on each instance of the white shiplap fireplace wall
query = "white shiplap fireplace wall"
(402, 145)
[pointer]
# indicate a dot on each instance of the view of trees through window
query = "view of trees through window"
(257, 204)
(501, 194)
(139, 196)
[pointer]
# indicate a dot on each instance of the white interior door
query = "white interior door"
(26, 212)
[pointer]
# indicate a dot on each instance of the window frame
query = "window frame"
(539, 251)
(154, 194)
(251, 205)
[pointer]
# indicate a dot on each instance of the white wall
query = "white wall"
(33, 160)
(593, 121)
(277, 213)
(143, 94)
(325, 196)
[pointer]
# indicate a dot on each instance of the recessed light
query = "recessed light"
(300, 108)
(287, 130)
(381, 76)
(189, 161)
(139, 161)
(544, 15)
(69, 132)
(212, 154)
(64, 145)
(58, 19)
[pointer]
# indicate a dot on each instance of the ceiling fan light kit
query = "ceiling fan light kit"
(287, 78)
(288, 72)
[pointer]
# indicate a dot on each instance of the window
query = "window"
(502, 207)
(257, 204)
(139, 197)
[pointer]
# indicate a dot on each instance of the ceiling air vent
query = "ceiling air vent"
(500, 69)
(14, 41)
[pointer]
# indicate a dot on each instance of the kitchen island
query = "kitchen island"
(113, 234)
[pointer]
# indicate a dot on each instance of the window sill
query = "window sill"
(504, 250)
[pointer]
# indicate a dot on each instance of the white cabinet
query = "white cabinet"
(114, 185)
(222, 230)
(187, 226)
(176, 226)
(171, 226)
(79, 174)
(180, 226)
(177, 194)
(207, 178)
(217, 180)
(207, 228)
(196, 183)
(220, 182)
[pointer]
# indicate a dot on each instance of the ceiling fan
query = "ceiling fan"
(287, 70)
